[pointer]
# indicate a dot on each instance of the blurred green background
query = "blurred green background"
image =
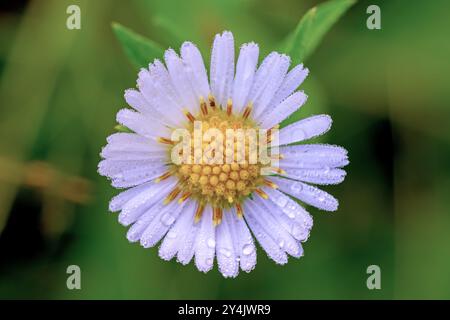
(387, 91)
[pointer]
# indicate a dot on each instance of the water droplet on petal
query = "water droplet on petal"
(281, 201)
(298, 232)
(172, 234)
(247, 249)
(296, 187)
(225, 252)
(211, 243)
(167, 219)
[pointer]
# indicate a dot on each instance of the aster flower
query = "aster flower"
(205, 212)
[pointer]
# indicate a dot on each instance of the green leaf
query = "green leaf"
(312, 27)
(122, 128)
(139, 50)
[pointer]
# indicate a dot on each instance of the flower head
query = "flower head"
(207, 167)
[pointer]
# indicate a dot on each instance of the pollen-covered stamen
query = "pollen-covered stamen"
(270, 184)
(165, 141)
(239, 211)
(262, 194)
(277, 170)
(217, 216)
(229, 180)
(199, 212)
(164, 176)
(270, 134)
(277, 156)
(189, 115)
(247, 110)
(229, 107)
(271, 131)
(172, 195)
(184, 196)
(212, 101)
(203, 106)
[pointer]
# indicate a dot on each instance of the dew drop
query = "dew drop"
(172, 234)
(281, 201)
(298, 232)
(247, 249)
(225, 252)
(167, 219)
(211, 243)
(296, 187)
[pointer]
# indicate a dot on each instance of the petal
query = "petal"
(159, 226)
(110, 168)
(195, 69)
(122, 141)
(268, 79)
(305, 129)
(141, 202)
(313, 156)
(323, 176)
(245, 72)
(243, 242)
(292, 210)
(277, 228)
(225, 251)
(308, 194)
(295, 223)
(140, 225)
(273, 116)
(162, 107)
(119, 200)
(137, 100)
(137, 176)
(157, 156)
(222, 67)
(165, 90)
(141, 124)
(179, 231)
(269, 245)
(205, 243)
(181, 80)
(187, 245)
(291, 82)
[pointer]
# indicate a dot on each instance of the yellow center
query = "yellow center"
(220, 184)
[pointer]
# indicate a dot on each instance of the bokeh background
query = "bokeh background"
(387, 91)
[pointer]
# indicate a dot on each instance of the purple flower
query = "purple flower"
(214, 210)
